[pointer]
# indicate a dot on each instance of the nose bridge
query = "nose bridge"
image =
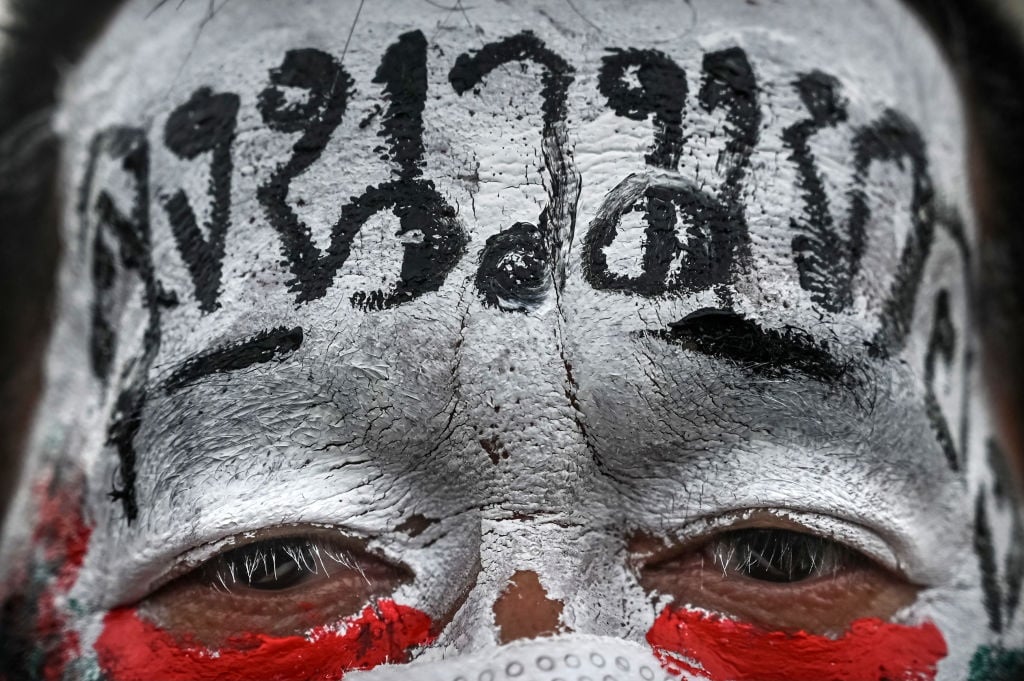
(518, 394)
(529, 567)
(546, 576)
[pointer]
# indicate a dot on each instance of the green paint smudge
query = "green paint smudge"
(997, 664)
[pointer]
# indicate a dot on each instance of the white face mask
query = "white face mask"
(659, 312)
(571, 657)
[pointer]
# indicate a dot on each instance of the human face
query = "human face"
(399, 332)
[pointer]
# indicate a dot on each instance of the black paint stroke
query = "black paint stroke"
(1014, 567)
(205, 123)
(984, 549)
(716, 244)
(557, 220)
(266, 346)
(1004, 489)
(419, 207)
(403, 73)
(941, 347)
(437, 238)
(893, 138)
(470, 70)
(769, 353)
(328, 87)
(828, 255)
(513, 273)
(707, 255)
(661, 93)
(822, 262)
(729, 82)
(1008, 500)
(121, 246)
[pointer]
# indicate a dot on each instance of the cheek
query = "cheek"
(44, 640)
(132, 649)
(720, 649)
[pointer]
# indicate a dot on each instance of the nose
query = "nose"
(525, 611)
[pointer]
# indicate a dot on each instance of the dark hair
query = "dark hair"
(45, 37)
(42, 40)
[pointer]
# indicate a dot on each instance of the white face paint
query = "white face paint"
(501, 291)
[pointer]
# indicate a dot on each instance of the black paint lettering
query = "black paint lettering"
(894, 139)
(470, 70)
(985, 550)
(828, 255)
(822, 264)
(716, 240)
(729, 83)
(205, 123)
(422, 212)
(328, 86)
(941, 347)
(514, 268)
(122, 263)
(661, 93)
(1008, 500)
(403, 73)
(513, 273)
(420, 209)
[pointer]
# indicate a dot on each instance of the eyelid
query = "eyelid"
(195, 558)
(851, 535)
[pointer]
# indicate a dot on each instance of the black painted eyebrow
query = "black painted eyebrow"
(771, 353)
(264, 347)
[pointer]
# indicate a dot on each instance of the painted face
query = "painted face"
(396, 332)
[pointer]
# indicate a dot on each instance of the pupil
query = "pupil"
(778, 556)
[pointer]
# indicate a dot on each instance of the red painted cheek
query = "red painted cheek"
(132, 649)
(721, 649)
(61, 537)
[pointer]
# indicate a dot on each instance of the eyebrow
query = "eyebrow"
(724, 334)
(266, 346)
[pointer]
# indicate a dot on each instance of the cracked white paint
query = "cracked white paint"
(380, 416)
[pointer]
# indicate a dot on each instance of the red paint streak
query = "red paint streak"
(61, 538)
(133, 649)
(721, 649)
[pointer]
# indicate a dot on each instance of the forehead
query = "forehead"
(520, 241)
(742, 84)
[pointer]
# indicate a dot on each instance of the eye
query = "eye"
(278, 565)
(779, 556)
(276, 585)
(778, 577)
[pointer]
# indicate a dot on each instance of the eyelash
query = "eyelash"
(763, 554)
(781, 556)
(309, 555)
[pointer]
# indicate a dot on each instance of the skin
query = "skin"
(566, 459)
